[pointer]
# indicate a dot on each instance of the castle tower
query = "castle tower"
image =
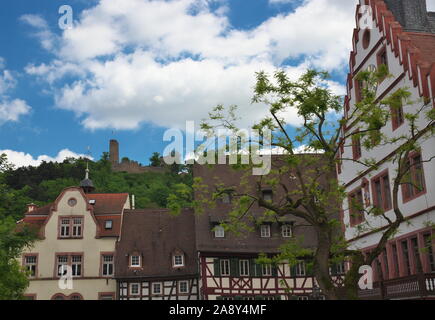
(114, 152)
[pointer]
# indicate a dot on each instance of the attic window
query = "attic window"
(92, 201)
(135, 261)
(72, 202)
(108, 224)
(178, 260)
(267, 195)
(366, 39)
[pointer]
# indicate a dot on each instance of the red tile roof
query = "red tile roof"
(108, 203)
(107, 206)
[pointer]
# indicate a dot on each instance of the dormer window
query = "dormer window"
(135, 261)
(219, 232)
(178, 260)
(265, 231)
(226, 197)
(286, 231)
(267, 195)
(108, 224)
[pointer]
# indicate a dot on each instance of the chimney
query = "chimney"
(31, 207)
(133, 202)
(411, 14)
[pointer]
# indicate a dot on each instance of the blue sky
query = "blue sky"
(130, 69)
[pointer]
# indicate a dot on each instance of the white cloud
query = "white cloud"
(12, 110)
(139, 61)
(430, 5)
(7, 81)
(21, 159)
(41, 30)
(282, 1)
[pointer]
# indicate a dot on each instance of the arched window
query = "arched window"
(58, 296)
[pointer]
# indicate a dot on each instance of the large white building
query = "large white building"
(403, 38)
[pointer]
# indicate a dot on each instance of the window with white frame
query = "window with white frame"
(65, 228)
(134, 289)
(244, 268)
(265, 231)
(76, 266)
(286, 231)
(178, 260)
(108, 224)
(135, 261)
(266, 270)
(30, 263)
(62, 264)
(226, 197)
(300, 269)
(183, 287)
(77, 227)
(219, 232)
(71, 227)
(225, 267)
(156, 288)
(107, 265)
(73, 262)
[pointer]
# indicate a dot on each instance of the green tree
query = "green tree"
(155, 160)
(13, 279)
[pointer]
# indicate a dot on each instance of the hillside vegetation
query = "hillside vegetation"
(41, 185)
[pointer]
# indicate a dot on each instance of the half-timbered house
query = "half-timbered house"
(228, 262)
(156, 257)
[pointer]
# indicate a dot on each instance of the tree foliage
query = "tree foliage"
(317, 199)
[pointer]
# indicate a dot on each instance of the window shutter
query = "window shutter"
(258, 270)
(217, 268)
(293, 271)
(234, 266)
(252, 269)
(309, 269)
(334, 269)
(274, 271)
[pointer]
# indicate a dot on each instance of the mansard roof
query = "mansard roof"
(155, 234)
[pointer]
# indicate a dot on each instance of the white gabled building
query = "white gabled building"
(403, 38)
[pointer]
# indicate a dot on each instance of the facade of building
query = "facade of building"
(73, 259)
(403, 39)
(227, 262)
(156, 257)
